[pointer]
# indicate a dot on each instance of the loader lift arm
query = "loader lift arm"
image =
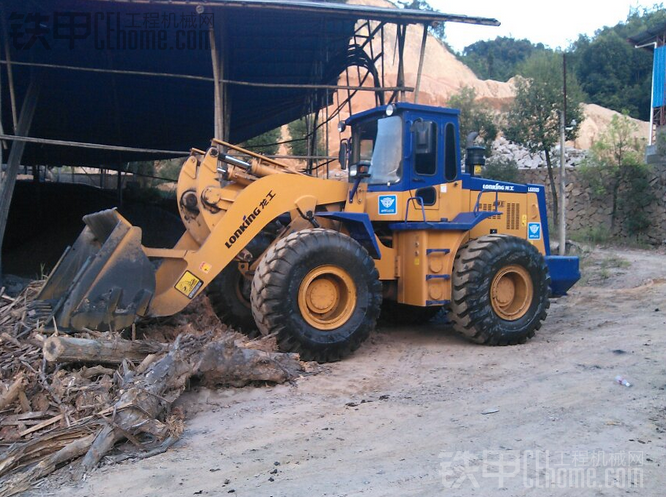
(107, 279)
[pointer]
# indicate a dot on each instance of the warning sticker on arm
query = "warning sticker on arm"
(188, 285)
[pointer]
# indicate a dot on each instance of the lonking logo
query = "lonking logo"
(249, 219)
(498, 187)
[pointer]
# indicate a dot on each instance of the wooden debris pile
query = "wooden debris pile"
(64, 397)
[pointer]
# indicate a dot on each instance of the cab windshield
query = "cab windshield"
(379, 144)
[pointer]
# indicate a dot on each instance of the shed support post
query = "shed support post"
(15, 156)
(402, 33)
(424, 40)
(10, 73)
(221, 101)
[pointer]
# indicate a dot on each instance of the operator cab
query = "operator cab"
(402, 146)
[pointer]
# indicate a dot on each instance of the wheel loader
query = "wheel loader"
(313, 261)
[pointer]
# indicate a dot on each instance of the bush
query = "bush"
(266, 143)
(502, 169)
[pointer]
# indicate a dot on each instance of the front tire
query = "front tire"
(500, 290)
(319, 291)
(229, 292)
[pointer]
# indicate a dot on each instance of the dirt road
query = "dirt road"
(405, 415)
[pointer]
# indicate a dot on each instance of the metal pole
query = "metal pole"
(217, 78)
(10, 73)
(421, 59)
(401, 33)
(94, 146)
(16, 154)
(120, 186)
(563, 184)
(563, 124)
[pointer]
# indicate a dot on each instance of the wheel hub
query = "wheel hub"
(511, 292)
(322, 295)
(327, 297)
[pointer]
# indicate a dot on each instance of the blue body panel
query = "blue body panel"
(464, 221)
(360, 229)
(564, 273)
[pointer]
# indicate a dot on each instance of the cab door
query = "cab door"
(426, 170)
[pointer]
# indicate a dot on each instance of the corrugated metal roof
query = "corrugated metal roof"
(648, 36)
(265, 41)
(332, 9)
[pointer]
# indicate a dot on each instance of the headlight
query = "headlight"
(353, 170)
(390, 109)
(342, 126)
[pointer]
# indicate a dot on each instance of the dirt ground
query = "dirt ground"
(405, 414)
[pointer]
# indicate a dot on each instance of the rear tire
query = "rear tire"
(500, 290)
(319, 291)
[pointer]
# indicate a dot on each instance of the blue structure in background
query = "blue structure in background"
(659, 78)
(654, 39)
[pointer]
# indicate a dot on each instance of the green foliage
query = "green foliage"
(438, 30)
(597, 236)
(661, 144)
(615, 169)
(612, 72)
(533, 120)
(589, 173)
(266, 143)
(170, 169)
(298, 130)
(499, 59)
(474, 116)
(633, 201)
(146, 168)
(502, 169)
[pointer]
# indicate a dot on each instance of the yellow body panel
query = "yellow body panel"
(419, 262)
(426, 270)
(211, 243)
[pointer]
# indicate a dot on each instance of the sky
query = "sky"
(553, 23)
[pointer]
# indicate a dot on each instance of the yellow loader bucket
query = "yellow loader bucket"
(103, 282)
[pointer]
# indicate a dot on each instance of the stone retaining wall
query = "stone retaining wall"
(586, 213)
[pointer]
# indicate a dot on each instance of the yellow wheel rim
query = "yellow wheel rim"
(511, 292)
(327, 297)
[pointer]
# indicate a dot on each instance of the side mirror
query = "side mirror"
(343, 155)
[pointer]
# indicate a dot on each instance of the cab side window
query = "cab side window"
(450, 156)
(425, 147)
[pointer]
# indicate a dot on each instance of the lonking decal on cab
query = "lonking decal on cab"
(249, 219)
(498, 187)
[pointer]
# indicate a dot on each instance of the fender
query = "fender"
(360, 229)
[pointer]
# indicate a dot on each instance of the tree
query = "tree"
(499, 59)
(534, 117)
(611, 71)
(300, 143)
(474, 116)
(615, 168)
(502, 169)
(437, 30)
(266, 143)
